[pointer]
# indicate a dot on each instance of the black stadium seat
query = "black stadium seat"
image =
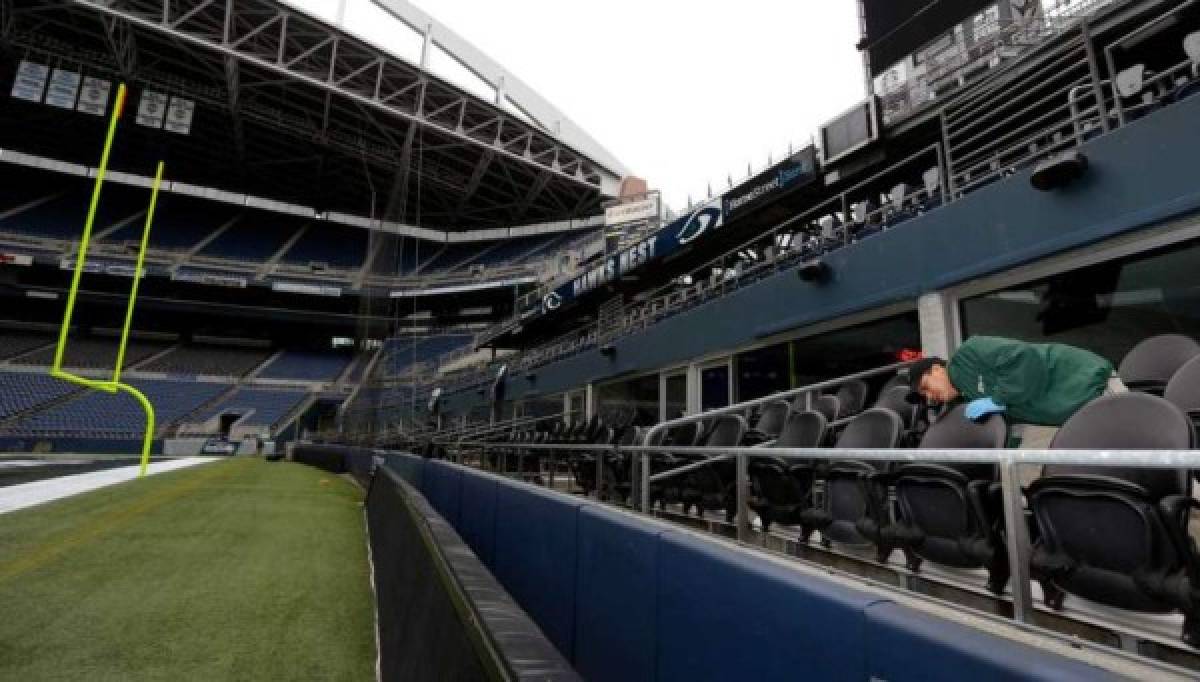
(895, 399)
(1183, 390)
(849, 494)
(852, 397)
(781, 489)
(1119, 536)
(711, 487)
(1151, 364)
(769, 424)
(828, 405)
(950, 513)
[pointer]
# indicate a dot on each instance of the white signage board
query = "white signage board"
(64, 89)
(152, 109)
(93, 98)
(30, 82)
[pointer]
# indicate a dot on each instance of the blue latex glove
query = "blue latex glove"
(978, 409)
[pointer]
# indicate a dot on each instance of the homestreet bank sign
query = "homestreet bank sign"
(797, 171)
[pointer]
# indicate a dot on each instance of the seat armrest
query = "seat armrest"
(1176, 512)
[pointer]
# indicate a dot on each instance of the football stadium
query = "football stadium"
(320, 359)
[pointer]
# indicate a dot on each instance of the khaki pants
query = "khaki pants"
(1035, 437)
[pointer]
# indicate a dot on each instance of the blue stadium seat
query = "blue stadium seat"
(307, 366)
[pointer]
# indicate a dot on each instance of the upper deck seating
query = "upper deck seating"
(256, 236)
(21, 391)
(180, 222)
(1119, 536)
(950, 513)
(96, 353)
(1152, 362)
(209, 360)
(1191, 47)
(306, 365)
(14, 343)
(337, 246)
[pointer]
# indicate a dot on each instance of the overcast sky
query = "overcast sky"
(683, 92)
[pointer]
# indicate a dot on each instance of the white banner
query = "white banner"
(16, 259)
(30, 82)
(93, 98)
(152, 109)
(179, 115)
(64, 88)
(309, 289)
(633, 211)
(210, 279)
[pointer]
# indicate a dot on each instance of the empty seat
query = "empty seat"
(895, 399)
(828, 405)
(850, 493)
(711, 487)
(1119, 536)
(1150, 364)
(852, 397)
(781, 489)
(1183, 390)
(950, 514)
(769, 424)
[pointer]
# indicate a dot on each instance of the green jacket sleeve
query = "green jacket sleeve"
(1020, 373)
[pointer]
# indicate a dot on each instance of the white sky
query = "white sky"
(683, 92)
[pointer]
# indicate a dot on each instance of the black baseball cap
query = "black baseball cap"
(917, 370)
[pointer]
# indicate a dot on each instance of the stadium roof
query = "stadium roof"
(292, 107)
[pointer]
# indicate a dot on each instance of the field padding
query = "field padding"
(32, 494)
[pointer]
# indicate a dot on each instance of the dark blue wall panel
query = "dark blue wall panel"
(724, 615)
(616, 603)
(477, 517)
(443, 489)
(535, 555)
(905, 644)
(1140, 175)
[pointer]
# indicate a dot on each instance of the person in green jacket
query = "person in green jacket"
(1035, 384)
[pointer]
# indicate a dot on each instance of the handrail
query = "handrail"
(495, 427)
(782, 395)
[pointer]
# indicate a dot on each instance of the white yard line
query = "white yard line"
(24, 495)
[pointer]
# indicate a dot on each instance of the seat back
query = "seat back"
(828, 405)
(852, 396)
(896, 400)
(1101, 532)
(773, 417)
(1183, 390)
(873, 429)
(953, 431)
(727, 431)
(1152, 363)
(803, 430)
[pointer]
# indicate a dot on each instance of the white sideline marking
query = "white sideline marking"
(25, 495)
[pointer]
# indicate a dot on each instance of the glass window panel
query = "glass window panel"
(714, 388)
(1106, 308)
(615, 401)
(676, 396)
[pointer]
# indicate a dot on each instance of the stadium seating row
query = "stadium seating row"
(947, 514)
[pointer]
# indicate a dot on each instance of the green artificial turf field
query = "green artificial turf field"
(240, 569)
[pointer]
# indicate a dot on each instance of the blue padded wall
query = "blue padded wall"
(616, 596)
(443, 489)
(477, 517)
(906, 644)
(713, 602)
(535, 551)
(625, 598)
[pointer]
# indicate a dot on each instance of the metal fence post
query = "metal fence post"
(599, 473)
(1018, 540)
(742, 487)
(645, 483)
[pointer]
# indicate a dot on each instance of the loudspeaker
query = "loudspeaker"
(1059, 170)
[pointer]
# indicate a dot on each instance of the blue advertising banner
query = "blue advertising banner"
(797, 171)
